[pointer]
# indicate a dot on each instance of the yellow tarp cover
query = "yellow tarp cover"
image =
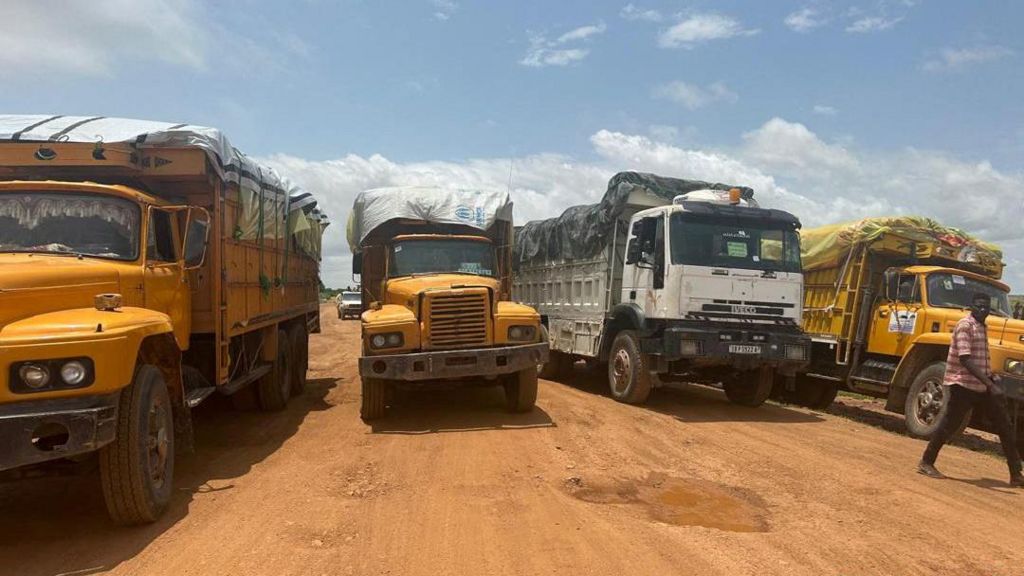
(828, 246)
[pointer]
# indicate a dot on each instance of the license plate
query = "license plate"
(744, 349)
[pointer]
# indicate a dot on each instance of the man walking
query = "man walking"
(972, 385)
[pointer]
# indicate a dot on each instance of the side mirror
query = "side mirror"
(633, 251)
(892, 284)
(197, 236)
(357, 264)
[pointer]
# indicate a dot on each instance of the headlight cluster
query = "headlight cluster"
(387, 340)
(44, 375)
(522, 333)
(796, 352)
(1015, 367)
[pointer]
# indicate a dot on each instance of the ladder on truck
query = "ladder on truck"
(848, 300)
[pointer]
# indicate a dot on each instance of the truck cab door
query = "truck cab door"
(896, 319)
(165, 286)
(644, 273)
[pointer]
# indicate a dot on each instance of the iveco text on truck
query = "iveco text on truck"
(143, 267)
(436, 268)
(668, 279)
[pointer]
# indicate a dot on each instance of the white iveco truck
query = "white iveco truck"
(669, 280)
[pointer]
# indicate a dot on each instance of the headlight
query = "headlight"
(522, 333)
(387, 340)
(73, 373)
(47, 375)
(1014, 366)
(691, 347)
(35, 376)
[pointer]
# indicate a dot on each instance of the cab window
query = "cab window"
(160, 240)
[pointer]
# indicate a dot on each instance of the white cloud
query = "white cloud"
(822, 110)
(631, 12)
(788, 165)
(563, 50)
(701, 28)
(692, 96)
(92, 38)
(805, 19)
(581, 33)
(443, 9)
(51, 39)
(872, 24)
(959, 58)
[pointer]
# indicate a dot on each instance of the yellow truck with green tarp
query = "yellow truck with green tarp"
(882, 296)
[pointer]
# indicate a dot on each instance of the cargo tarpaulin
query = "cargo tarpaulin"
(829, 246)
(474, 208)
(582, 232)
(267, 199)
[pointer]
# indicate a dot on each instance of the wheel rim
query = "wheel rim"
(931, 400)
(622, 372)
(158, 442)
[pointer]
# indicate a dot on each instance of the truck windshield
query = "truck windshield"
(56, 223)
(412, 257)
(351, 298)
(752, 246)
(947, 290)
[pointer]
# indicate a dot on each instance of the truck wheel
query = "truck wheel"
(558, 366)
(629, 377)
(137, 468)
(812, 393)
(927, 400)
(276, 387)
(521, 390)
(374, 399)
(750, 388)
(300, 358)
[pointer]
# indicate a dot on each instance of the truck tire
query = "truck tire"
(558, 366)
(521, 390)
(276, 387)
(629, 376)
(299, 341)
(751, 388)
(137, 468)
(812, 393)
(926, 402)
(374, 402)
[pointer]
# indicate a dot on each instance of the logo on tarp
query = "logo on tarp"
(464, 213)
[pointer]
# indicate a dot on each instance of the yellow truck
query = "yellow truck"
(436, 275)
(882, 297)
(143, 267)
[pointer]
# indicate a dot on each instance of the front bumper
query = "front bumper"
(454, 363)
(739, 350)
(28, 429)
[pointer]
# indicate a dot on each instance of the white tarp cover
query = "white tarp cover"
(475, 208)
(254, 180)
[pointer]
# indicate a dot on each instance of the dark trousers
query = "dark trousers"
(960, 401)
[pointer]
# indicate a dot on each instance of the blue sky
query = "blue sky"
(833, 110)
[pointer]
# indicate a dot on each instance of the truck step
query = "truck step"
(197, 395)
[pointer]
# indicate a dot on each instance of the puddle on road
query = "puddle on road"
(680, 502)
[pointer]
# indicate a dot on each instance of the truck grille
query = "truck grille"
(459, 320)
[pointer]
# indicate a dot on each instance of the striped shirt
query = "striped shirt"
(970, 337)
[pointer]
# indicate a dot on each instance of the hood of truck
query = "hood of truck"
(32, 284)
(718, 294)
(405, 291)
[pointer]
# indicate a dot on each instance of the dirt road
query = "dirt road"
(451, 484)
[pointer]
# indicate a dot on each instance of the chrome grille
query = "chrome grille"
(458, 320)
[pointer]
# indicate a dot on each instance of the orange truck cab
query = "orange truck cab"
(142, 269)
(435, 269)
